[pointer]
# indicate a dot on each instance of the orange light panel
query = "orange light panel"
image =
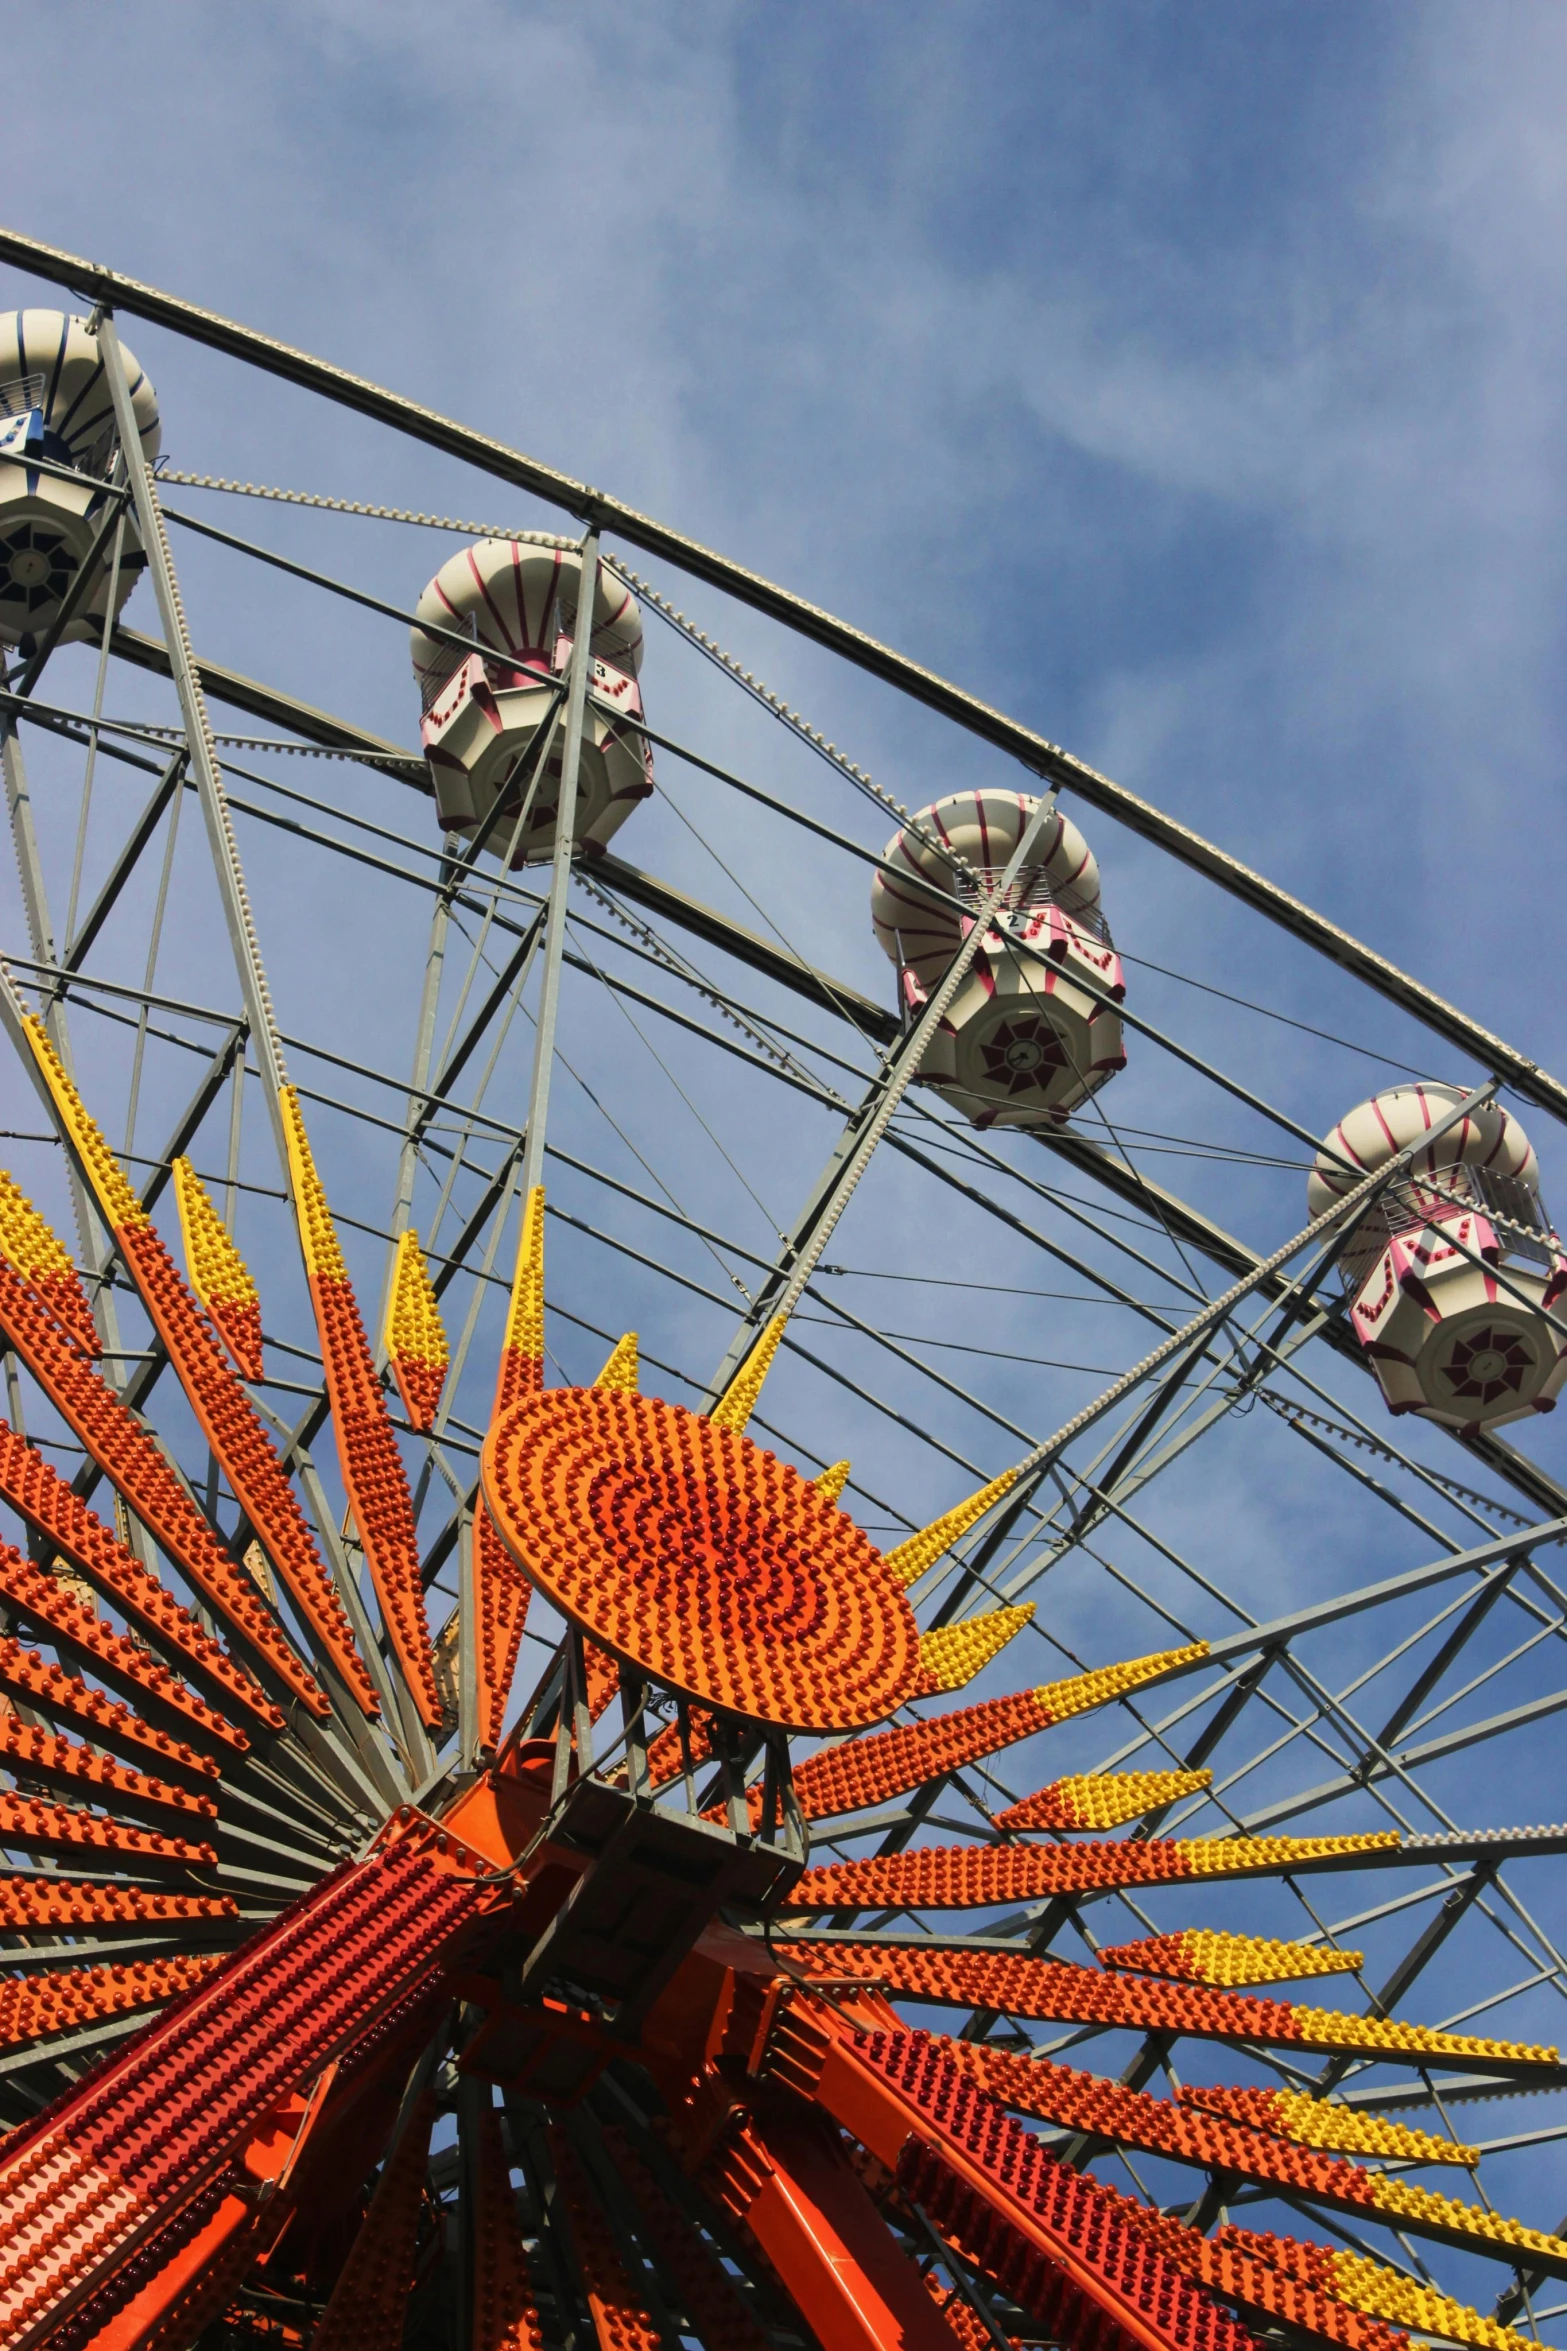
(34, 2006)
(1211, 1955)
(712, 1565)
(31, 1753)
(970, 1877)
(503, 1593)
(46, 1265)
(1366, 2285)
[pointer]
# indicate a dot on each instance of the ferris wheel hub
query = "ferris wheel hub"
(701, 1559)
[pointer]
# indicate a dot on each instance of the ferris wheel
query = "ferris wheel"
(607, 1736)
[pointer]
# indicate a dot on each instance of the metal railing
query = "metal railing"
(1523, 1230)
(21, 394)
(1027, 895)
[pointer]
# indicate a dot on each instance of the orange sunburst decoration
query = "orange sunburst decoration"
(1209, 1955)
(501, 1590)
(953, 1654)
(1102, 1800)
(225, 1412)
(521, 1370)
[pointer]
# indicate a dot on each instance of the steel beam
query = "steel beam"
(1281, 1630)
(1402, 1765)
(237, 692)
(125, 863)
(199, 744)
(863, 1131)
(560, 869)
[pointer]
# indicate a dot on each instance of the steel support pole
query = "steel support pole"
(1353, 1205)
(560, 867)
(1424, 1949)
(136, 840)
(92, 1234)
(865, 1127)
(201, 748)
(424, 1045)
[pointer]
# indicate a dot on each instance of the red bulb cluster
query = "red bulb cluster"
(504, 2316)
(1087, 2102)
(128, 1457)
(192, 2087)
(188, 2090)
(503, 1593)
(48, 1603)
(71, 1905)
(870, 1771)
(31, 1825)
(376, 1484)
(1293, 2255)
(39, 1682)
(233, 1429)
(962, 2320)
(29, 1752)
(1049, 1988)
(1027, 2197)
(667, 1753)
(717, 2313)
(237, 1322)
(34, 2006)
(851, 1778)
(369, 2306)
(966, 1877)
(619, 2319)
(45, 1264)
(62, 1297)
(1258, 2288)
(40, 1495)
(419, 1383)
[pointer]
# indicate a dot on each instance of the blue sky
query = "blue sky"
(1190, 389)
(1187, 383)
(1189, 386)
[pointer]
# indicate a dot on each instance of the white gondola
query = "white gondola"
(1033, 1029)
(1444, 1335)
(484, 713)
(57, 447)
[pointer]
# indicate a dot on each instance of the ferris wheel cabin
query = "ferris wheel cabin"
(493, 719)
(1456, 1269)
(1032, 1031)
(59, 501)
